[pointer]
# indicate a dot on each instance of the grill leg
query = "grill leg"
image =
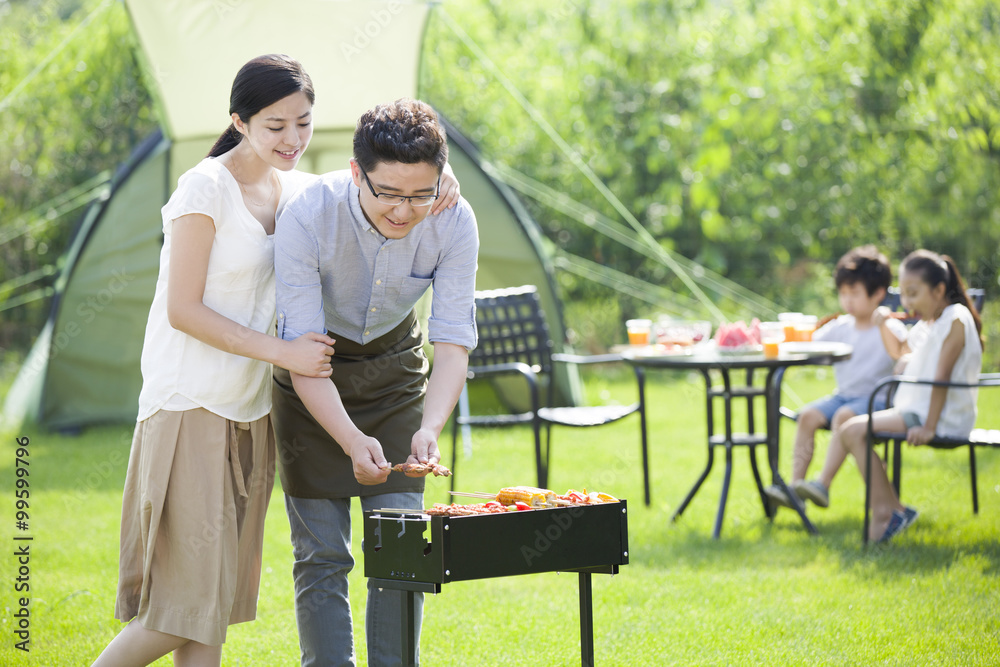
(409, 637)
(586, 620)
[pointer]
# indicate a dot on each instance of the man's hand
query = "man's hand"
(423, 449)
(370, 466)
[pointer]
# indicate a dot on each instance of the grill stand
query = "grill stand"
(409, 622)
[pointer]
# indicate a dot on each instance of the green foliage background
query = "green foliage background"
(759, 138)
(762, 139)
(71, 108)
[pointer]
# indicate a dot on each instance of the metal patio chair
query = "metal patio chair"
(514, 341)
(980, 437)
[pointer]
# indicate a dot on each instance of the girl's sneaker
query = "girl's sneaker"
(777, 496)
(813, 490)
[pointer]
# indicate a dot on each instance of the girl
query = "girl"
(201, 468)
(945, 345)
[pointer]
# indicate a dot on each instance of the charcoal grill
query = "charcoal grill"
(584, 539)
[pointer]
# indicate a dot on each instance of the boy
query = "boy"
(862, 276)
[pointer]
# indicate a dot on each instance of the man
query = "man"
(354, 252)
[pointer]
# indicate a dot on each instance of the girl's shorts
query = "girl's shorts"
(828, 405)
(911, 419)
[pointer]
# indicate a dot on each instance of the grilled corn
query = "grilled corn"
(531, 495)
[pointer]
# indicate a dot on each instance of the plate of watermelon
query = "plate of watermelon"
(737, 338)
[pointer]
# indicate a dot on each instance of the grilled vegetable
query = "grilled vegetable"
(532, 496)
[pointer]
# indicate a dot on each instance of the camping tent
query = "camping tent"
(84, 367)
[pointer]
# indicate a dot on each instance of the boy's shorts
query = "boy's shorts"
(830, 404)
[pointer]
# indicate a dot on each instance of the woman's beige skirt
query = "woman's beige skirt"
(196, 494)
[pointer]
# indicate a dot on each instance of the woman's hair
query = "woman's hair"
(259, 84)
(935, 269)
(406, 131)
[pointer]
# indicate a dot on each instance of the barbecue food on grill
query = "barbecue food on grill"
(531, 497)
(574, 497)
(437, 469)
(492, 507)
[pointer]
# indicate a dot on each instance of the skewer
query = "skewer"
(539, 501)
(401, 511)
(436, 468)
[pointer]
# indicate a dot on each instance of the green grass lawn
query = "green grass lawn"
(765, 593)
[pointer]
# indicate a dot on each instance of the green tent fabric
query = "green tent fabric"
(84, 367)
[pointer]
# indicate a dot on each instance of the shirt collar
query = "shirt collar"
(354, 199)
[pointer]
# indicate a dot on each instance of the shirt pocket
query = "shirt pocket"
(410, 291)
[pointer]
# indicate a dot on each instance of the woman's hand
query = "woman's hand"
(309, 355)
(448, 192)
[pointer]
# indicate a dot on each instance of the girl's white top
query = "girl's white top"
(180, 372)
(958, 416)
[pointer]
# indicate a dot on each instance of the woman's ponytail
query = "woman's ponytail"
(957, 293)
(226, 142)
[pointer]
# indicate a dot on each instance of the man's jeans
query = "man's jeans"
(321, 543)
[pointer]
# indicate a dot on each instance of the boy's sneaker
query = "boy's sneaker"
(910, 515)
(812, 490)
(777, 496)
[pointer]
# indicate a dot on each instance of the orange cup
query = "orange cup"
(770, 350)
(638, 331)
(638, 337)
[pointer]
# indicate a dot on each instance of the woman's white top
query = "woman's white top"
(179, 372)
(958, 417)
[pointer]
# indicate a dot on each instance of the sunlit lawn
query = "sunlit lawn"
(765, 593)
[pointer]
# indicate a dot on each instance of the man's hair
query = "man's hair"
(406, 131)
(865, 265)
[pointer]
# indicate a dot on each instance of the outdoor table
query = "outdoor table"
(709, 359)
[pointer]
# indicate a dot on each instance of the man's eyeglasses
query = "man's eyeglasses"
(395, 200)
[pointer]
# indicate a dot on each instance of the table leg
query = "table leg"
(586, 620)
(710, 417)
(768, 510)
(717, 530)
(641, 381)
(773, 400)
(704, 475)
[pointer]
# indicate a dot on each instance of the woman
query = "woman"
(202, 463)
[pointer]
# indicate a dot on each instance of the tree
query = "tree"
(762, 139)
(72, 107)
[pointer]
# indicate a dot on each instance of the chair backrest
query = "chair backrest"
(512, 328)
(977, 296)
